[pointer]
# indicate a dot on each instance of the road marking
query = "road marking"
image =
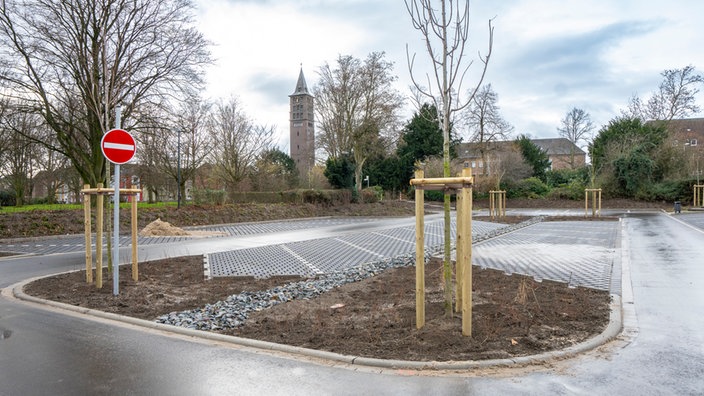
(359, 247)
(396, 238)
(305, 262)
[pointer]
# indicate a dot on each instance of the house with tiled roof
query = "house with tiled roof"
(563, 154)
(688, 132)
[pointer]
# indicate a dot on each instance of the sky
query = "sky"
(548, 56)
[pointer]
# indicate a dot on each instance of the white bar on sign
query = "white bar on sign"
(118, 146)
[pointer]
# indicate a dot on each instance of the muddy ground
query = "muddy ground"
(512, 315)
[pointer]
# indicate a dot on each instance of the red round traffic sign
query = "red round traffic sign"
(118, 146)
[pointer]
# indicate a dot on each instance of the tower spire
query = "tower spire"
(301, 86)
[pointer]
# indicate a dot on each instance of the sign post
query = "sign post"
(118, 147)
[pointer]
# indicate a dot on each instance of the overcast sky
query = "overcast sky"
(548, 56)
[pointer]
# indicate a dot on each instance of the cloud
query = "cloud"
(549, 55)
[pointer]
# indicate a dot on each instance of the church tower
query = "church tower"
(302, 128)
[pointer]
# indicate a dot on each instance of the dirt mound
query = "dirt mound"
(162, 228)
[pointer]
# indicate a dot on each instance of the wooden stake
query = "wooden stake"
(420, 254)
(466, 258)
(491, 204)
(135, 264)
(87, 228)
(459, 252)
(99, 240)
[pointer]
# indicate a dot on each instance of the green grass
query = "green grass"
(123, 205)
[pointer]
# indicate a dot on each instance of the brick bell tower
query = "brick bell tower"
(302, 128)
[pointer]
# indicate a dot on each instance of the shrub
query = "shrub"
(573, 190)
(208, 196)
(531, 187)
(7, 198)
(564, 177)
(372, 194)
(433, 195)
(676, 190)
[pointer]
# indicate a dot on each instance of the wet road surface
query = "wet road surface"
(661, 350)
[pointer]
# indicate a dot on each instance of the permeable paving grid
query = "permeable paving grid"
(580, 253)
(330, 254)
(76, 243)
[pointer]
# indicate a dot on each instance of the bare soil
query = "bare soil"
(512, 316)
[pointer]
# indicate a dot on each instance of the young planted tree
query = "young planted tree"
(577, 127)
(445, 31)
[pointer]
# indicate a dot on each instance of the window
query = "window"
(692, 142)
(474, 164)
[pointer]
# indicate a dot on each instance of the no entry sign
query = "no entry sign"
(118, 146)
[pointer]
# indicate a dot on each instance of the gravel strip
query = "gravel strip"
(233, 311)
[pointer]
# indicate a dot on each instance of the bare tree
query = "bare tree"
(19, 160)
(357, 108)
(577, 127)
(445, 30)
(75, 61)
(4, 131)
(485, 123)
(237, 142)
(675, 98)
(52, 164)
(177, 143)
(274, 170)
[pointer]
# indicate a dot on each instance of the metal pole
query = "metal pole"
(178, 169)
(116, 220)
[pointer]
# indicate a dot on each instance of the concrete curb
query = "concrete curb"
(612, 330)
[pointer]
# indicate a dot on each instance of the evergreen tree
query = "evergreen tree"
(422, 138)
(536, 157)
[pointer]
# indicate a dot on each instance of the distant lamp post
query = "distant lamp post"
(178, 169)
(366, 179)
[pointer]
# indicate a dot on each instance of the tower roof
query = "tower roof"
(301, 86)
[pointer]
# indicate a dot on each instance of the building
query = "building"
(562, 153)
(302, 127)
(688, 133)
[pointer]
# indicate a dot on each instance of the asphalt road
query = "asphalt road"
(661, 350)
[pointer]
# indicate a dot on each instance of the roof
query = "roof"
(558, 146)
(686, 125)
(301, 86)
(555, 146)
